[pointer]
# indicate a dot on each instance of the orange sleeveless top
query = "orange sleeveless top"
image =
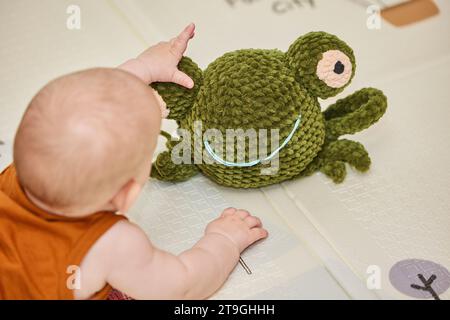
(37, 248)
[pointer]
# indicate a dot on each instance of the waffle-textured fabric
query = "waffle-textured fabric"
(269, 89)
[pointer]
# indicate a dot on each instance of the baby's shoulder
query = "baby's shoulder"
(119, 240)
(112, 249)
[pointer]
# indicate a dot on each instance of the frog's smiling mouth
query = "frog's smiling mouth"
(255, 162)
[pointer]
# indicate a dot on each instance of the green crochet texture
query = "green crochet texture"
(269, 89)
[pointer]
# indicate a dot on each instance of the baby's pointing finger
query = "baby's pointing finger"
(179, 44)
(188, 32)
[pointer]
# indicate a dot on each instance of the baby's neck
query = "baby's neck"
(43, 206)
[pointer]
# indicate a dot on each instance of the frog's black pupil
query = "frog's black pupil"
(339, 68)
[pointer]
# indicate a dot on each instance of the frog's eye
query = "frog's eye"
(335, 69)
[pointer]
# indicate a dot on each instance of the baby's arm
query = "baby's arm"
(159, 63)
(144, 272)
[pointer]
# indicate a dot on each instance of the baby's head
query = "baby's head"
(86, 141)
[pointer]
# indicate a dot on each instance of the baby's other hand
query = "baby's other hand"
(162, 59)
(239, 226)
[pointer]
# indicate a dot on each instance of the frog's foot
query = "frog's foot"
(334, 156)
(335, 170)
(166, 170)
(164, 167)
(354, 113)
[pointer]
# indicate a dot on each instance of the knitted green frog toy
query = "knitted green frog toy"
(269, 89)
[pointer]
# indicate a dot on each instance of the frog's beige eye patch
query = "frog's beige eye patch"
(335, 69)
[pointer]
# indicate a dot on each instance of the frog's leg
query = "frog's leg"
(333, 157)
(166, 170)
(179, 100)
(354, 113)
(348, 116)
(335, 170)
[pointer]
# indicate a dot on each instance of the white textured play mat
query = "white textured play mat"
(325, 239)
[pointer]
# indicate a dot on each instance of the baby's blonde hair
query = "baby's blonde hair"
(84, 136)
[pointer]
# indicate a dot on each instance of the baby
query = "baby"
(82, 154)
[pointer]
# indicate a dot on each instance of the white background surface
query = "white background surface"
(399, 210)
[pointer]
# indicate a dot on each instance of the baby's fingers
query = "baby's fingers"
(242, 214)
(179, 44)
(258, 234)
(253, 222)
(182, 79)
(228, 212)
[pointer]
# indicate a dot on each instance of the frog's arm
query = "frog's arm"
(354, 113)
(166, 170)
(180, 100)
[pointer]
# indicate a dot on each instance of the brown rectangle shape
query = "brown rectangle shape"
(410, 12)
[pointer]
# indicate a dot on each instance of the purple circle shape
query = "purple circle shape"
(410, 277)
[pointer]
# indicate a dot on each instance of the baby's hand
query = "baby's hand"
(239, 226)
(162, 59)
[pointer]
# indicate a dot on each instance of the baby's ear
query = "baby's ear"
(126, 196)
